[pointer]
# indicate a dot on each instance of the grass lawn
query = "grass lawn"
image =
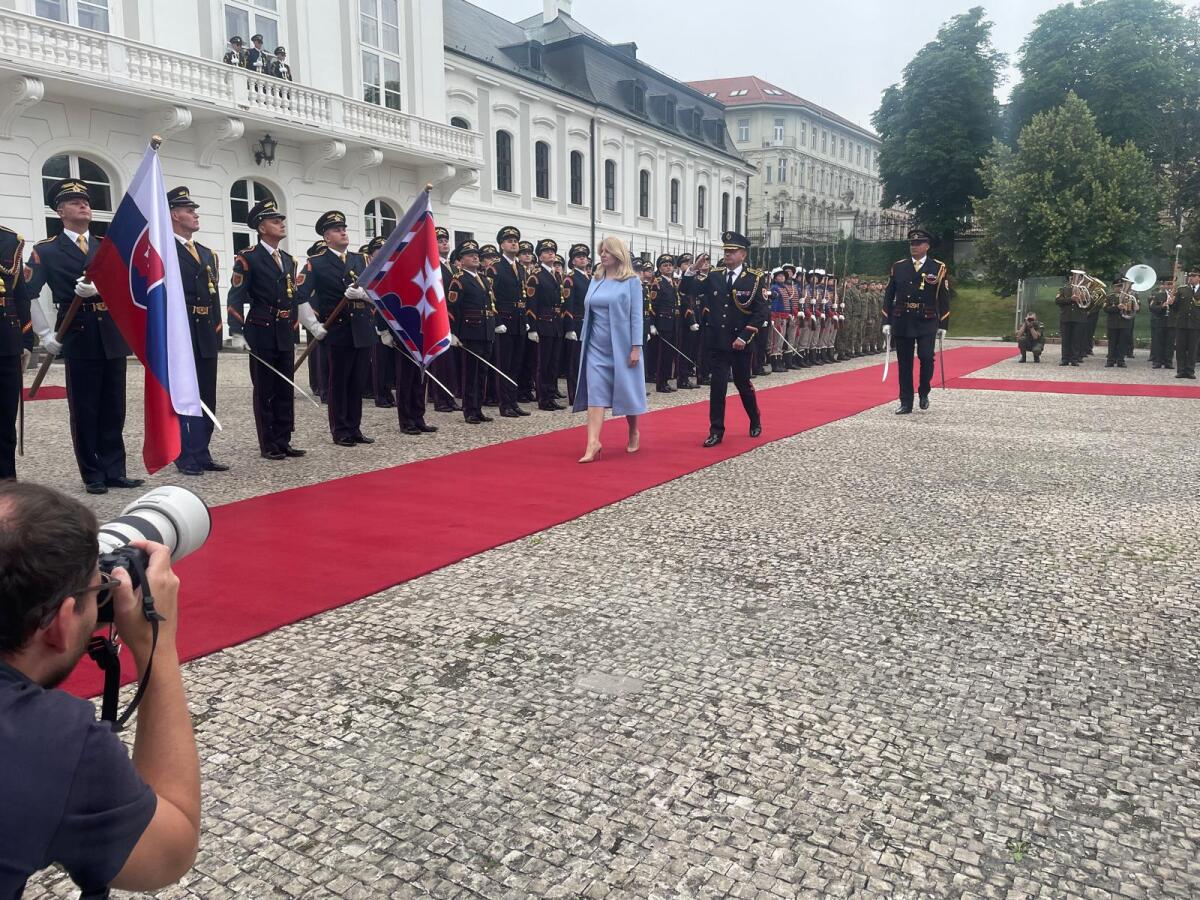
(976, 311)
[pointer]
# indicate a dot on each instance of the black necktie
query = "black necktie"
(729, 280)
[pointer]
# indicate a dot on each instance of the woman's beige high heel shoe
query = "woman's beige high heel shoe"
(591, 456)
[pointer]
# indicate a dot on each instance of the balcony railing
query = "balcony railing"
(34, 46)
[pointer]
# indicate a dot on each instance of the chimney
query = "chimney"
(551, 9)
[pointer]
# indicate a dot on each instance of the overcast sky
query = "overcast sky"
(866, 43)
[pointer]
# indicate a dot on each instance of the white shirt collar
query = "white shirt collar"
(736, 272)
(580, 271)
(183, 240)
(270, 248)
(549, 269)
(920, 262)
(75, 236)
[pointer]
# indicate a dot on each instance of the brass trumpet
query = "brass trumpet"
(1087, 291)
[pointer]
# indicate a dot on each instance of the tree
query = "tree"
(1065, 198)
(937, 125)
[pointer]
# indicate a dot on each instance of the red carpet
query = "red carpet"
(47, 392)
(279, 558)
(1184, 391)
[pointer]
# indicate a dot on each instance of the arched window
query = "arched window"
(379, 218)
(644, 193)
(504, 180)
(610, 185)
(725, 211)
(737, 215)
(243, 195)
(460, 122)
(91, 173)
(701, 198)
(675, 201)
(541, 169)
(576, 177)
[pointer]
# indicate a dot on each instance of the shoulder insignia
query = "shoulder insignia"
(302, 276)
(240, 259)
(49, 240)
(9, 230)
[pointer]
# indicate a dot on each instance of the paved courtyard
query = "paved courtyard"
(947, 655)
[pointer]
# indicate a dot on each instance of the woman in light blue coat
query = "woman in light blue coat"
(611, 373)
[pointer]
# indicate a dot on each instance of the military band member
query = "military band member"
(733, 299)
(1031, 338)
(199, 271)
(1071, 319)
(93, 349)
(916, 310)
(445, 367)
(235, 55)
(262, 308)
(575, 288)
(14, 324)
(472, 309)
(544, 288)
(329, 277)
(1185, 318)
(280, 67)
(1162, 335)
(508, 286)
(527, 392)
(664, 302)
(1120, 324)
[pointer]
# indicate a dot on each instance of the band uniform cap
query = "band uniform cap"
(1191, 272)
(778, 270)
(256, 37)
(663, 259)
(684, 258)
(817, 272)
(919, 234)
(66, 189)
(508, 231)
(558, 259)
(788, 267)
(546, 244)
(441, 233)
(262, 211)
(489, 251)
(734, 241)
(579, 250)
(376, 244)
(180, 197)
(331, 219)
(467, 246)
(317, 247)
(279, 50)
(638, 265)
(236, 40)
(525, 247)
(364, 249)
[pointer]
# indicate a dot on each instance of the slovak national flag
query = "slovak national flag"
(137, 272)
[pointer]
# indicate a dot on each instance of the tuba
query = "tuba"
(1087, 291)
(1137, 280)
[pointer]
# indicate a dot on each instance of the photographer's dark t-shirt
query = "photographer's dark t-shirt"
(69, 793)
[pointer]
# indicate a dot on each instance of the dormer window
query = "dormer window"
(639, 99)
(669, 115)
(535, 56)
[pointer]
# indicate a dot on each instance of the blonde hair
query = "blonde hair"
(620, 252)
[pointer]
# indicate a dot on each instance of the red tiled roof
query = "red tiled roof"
(745, 90)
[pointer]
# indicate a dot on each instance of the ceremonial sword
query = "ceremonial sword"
(676, 349)
(462, 346)
(267, 365)
(887, 358)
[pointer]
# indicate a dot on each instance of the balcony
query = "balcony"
(783, 142)
(82, 61)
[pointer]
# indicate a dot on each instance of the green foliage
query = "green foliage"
(873, 258)
(938, 124)
(976, 310)
(1065, 198)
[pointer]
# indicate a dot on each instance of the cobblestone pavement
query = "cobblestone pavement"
(949, 655)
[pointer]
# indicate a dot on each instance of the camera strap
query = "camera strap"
(105, 652)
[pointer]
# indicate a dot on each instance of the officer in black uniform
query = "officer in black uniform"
(575, 287)
(527, 390)
(94, 349)
(14, 322)
(472, 309)
(488, 254)
(508, 285)
(318, 372)
(198, 270)
(264, 279)
(733, 302)
(329, 281)
(664, 301)
(445, 367)
(544, 288)
(916, 308)
(688, 330)
(383, 357)
(257, 58)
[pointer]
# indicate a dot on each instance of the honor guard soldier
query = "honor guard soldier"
(383, 357)
(1162, 336)
(575, 288)
(279, 66)
(445, 367)
(93, 349)
(329, 282)
(1185, 319)
(198, 271)
(527, 392)
(733, 299)
(544, 288)
(262, 308)
(318, 372)
(508, 285)
(472, 309)
(488, 254)
(916, 310)
(689, 329)
(235, 55)
(664, 302)
(257, 58)
(14, 323)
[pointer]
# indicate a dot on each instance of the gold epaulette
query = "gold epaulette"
(48, 240)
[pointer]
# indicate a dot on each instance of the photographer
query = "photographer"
(71, 794)
(1031, 338)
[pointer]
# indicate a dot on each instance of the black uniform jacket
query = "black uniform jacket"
(203, 300)
(726, 313)
(665, 301)
(508, 285)
(323, 282)
(262, 301)
(545, 302)
(575, 288)
(917, 304)
(57, 262)
(14, 299)
(472, 307)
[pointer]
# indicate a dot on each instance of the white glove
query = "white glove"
(237, 342)
(501, 329)
(653, 330)
(319, 331)
(822, 317)
(454, 341)
(571, 336)
(841, 318)
(386, 337)
(49, 344)
(887, 330)
(85, 289)
(309, 320)
(941, 333)
(695, 326)
(354, 292)
(533, 336)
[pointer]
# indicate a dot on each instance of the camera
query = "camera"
(168, 515)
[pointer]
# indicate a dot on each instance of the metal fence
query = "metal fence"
(1038, 294)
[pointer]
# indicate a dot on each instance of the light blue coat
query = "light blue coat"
(629, 382)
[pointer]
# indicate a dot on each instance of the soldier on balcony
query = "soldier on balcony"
(235, 55)
(279, 66)
(257, 59)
